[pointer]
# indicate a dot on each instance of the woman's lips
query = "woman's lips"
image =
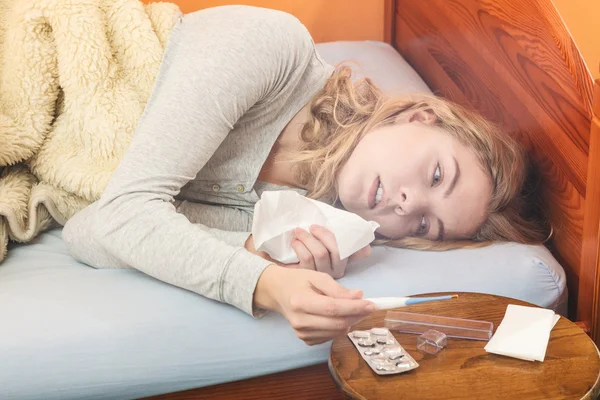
(373, 193)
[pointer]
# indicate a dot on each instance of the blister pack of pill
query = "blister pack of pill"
(382, 352)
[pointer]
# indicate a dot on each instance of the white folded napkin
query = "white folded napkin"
(523, 333)
(278, 213)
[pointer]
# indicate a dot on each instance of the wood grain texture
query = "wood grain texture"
(310, 383)
(515, 62)
(589, 290)
(464, 370)
(388, 28)
(326, 20)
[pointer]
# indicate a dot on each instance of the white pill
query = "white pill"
(394, 354)
(372, 352)
(384, 340)
(379, 331)
(380, 359)
(366, 342)
(361, 334)
(384, 367)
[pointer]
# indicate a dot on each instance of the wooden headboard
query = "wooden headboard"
(515, 62)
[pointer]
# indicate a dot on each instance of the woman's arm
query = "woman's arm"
(217, 65)
(77, 232)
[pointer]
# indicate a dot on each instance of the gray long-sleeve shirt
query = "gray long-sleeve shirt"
(179, 205)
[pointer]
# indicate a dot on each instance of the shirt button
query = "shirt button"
(216, 187)
(241, 188)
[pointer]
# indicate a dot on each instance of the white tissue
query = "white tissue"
(523, 333)
(278, 213)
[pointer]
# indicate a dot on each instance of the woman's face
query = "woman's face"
(414, 179)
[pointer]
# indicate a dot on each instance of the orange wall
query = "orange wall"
(327, 20)
(582, 17)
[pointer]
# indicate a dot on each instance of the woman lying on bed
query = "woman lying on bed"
(243, 104)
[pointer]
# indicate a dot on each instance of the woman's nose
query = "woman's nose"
(409, 201)
(403, 202)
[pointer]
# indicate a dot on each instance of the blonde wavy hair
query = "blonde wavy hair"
(344, 111)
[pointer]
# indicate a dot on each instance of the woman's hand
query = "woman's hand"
(317, 307)
(318, 250)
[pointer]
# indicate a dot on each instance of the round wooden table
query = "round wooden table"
(464, 370)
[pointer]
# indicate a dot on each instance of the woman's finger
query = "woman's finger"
(305, 257)
(330, 307)
(321, 336)
(338, 266)
(322, 329)
(320, 254)
(326, 237)
(329, 287)
(318, 325)
(313, 338)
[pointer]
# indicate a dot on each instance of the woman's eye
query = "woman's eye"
(422, 227)
(437, 176)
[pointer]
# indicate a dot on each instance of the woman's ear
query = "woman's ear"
(423, 116)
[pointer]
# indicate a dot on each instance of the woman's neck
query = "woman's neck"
(277, 168)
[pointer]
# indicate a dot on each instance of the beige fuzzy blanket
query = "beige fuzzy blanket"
(75, 76)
